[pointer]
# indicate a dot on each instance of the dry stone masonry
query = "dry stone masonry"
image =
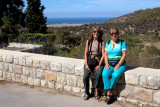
(138, 85)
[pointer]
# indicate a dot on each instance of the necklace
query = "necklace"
(113, 44)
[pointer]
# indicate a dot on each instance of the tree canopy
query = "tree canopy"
(35, 20)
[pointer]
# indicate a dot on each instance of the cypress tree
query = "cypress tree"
(35, 20)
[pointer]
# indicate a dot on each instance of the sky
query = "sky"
(94, 8)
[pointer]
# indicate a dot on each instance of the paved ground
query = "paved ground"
(18, 95)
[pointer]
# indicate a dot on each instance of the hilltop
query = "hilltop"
(147, 15)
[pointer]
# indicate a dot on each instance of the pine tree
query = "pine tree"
(13, 10)
(35, 21)
(11, 18)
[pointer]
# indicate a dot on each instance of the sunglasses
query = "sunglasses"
(114, 33)
(95, 31)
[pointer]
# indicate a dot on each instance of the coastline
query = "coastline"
(64, 24)
(69, 24)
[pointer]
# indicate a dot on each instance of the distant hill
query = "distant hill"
(140, 15)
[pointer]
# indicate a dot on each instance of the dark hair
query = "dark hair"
(100, 33)
(113, 29)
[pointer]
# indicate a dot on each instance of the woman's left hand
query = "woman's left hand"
(117, 66)
(97, 67)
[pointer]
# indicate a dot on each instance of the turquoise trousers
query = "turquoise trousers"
(111, 76)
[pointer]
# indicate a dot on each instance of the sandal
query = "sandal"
(86, 97)
(109, 97)
(96, 95)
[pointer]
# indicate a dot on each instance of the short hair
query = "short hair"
(114, 28)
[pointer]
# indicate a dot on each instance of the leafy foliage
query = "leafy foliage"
(35, 21)
(11, 18)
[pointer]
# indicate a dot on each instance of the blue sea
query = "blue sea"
(78, 20)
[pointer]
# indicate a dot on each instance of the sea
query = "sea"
(78, 20)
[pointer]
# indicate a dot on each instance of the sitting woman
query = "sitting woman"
(94, 51)
(115, 55)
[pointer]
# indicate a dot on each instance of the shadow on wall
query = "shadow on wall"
(3, 44)
(118, 88)
(121, 84)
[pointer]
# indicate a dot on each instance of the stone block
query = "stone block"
(80, 82)
(143, 81)
(1, 74)
(1, 58)
(50, 76)
(51, 84)
(30, 81)
(121, 79)
(71, 80)
(68, 68)
(40, 74)
(26, 71)
(10, 68)
(9, 77)
(8, 58)
(22, 61)
(79, 71)
(153, 82)
(1, 66)
(156, 97)
(43, 83)
(143, 94)
(6, 67)
(44, 65)
(18, 77)
(37, 82)
(13, 77)
(131, 78)
(122, 99)
(59, 87)
(33, 72)
(61, 79)
(15, 60)
(17, 69)
(152, 105)
(132, 101)
(125, 91)
(55, 66)
(76, 89)
(82, 90)
(24, 79)
(5, 75)
(36, 63)
(28, 62)
(67, 88)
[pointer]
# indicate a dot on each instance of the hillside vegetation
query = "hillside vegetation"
(141, 31)
(148, 15)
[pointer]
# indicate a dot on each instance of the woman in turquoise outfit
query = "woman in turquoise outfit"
(114, 56)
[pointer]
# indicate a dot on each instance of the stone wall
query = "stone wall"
(31, 48)
(138, 85)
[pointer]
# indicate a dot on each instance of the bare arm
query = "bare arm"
(85, 56)
(101, 60)
(107, 66)
(124, 54)
(86, 52)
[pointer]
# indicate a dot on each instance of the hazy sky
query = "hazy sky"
(94, 8)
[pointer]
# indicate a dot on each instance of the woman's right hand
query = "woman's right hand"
(87, 67)
(107, 66)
